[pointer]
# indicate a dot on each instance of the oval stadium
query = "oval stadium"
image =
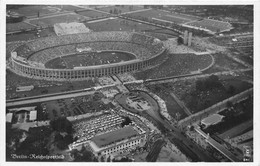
(86, 55)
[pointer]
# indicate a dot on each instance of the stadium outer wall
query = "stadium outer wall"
(83, 73)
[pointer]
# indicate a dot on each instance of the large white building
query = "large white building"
(118, 141)
(70, 28)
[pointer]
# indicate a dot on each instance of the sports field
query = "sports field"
(115, 24)
(89, 59)
(212, 25)
(165, 16)
(32, 10)
(122, 8)
(69, 7)
(51, 20)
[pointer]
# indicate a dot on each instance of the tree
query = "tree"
(199, 85)
(87, 156)
(61, 124)
(231, 89)
(180, 40)
(58, 137)
(127, 121)
(229, 104)
(212, 82)
(61, 144)
(68, 139)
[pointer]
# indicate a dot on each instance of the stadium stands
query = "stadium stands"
(70, 28)
(212, 25)
(40, 51)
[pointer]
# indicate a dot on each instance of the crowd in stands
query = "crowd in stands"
(105, 80)
(177, 64)
(212, 25)
(70, 28)
(87, 129)
(126, 77)
(44, 49)
(10, 46)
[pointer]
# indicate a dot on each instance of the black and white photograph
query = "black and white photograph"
(129, 82)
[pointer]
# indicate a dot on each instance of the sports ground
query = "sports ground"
(88, 59)
(165, 16)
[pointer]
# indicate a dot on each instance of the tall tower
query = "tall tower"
(189, 39)
(185, 37)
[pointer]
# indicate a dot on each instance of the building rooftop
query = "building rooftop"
(114, 136)
(213, 119)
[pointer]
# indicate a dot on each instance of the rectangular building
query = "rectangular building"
(117, 141)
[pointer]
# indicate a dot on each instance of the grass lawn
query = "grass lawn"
(124, 8)
(50, 21)
(89, 59)
(69, 7)
(224, 63)
(32, 10)
(118, 25)
(163, 15)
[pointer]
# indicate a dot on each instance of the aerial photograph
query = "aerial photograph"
(129, 83)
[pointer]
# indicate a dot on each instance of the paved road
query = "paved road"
(174, 134)
(44, 98)
(184, 144)
(190, 76)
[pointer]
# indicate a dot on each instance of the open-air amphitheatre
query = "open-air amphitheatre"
(45, 58)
